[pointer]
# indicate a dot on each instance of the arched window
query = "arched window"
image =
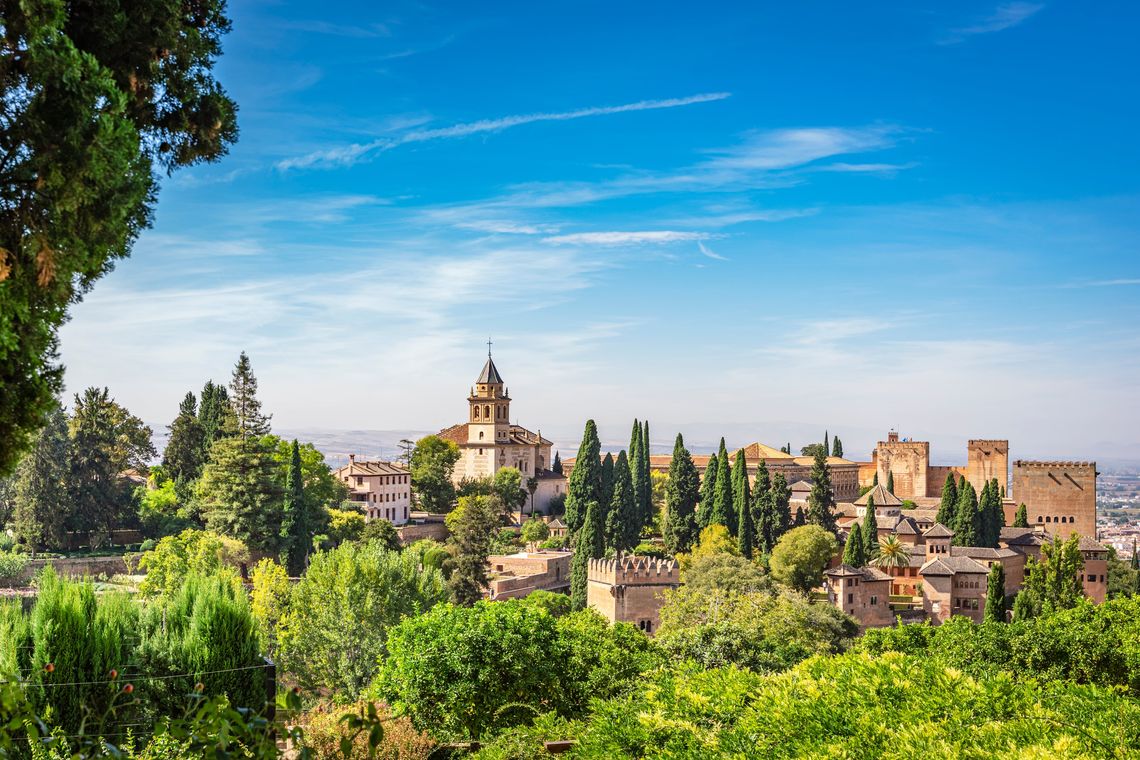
(480, 435)
(487, 411)
(476, 412)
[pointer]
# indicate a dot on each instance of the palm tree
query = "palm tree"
(892, 553)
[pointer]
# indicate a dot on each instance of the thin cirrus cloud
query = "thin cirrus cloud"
(349, 154)
(627, 238)
(1005, 16)
(710, 253)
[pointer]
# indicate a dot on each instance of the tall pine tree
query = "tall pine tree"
(296, 533)
(870, 531)
(967, 519)
(742, 503)
(590, 544)
(708, 494)
(949, 501)
(39, 494)
(585, 482)
(185, 451)
(853, 550)
(681, 497)
(821, 502)
(722, 512)
(213, 411)
(621, 518)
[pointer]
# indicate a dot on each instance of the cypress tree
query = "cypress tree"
(681, 496)
(722, 512)
(212, 413)
(853, 551)
(708, 494)
(875, 480)
(647, 510)
(639, 472)
(295, 529)
(763, 509)
(781, 507)
(186, 449)
(949, 501)
(837, 447)
(1135, 555)
(606, 491)
(800, 519)
(989, 508)
(821, 502)
(870, 531)
(621, 518)
(967, 519)
(585, 483)
(590, 544)
(826, 445)
(995, 595)
(742, 503)
(557, 466)
(891, 482)
(1021, 520)
(998, 519)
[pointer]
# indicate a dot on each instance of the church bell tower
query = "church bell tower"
(489, 407)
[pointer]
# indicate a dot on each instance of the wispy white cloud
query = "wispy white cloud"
(1115, 283)
(1005, 16)
(503, 227)
(627, 238)
(357, 31)
(349, 154)
(881, 168)
(704, 249)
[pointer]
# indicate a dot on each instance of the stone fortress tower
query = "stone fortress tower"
(629, 589)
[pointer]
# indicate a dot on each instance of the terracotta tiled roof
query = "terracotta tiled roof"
(753, 452)
(883, 497)
(938, 530)
(518, 435)
(981, 552)
(867, 573)
(372, 468)
(831, 461)
(952, 566)
(906, 526)
(801, 485)
(455, 433)
(1089, 545)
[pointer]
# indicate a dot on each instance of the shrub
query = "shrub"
(12, 566)
(190, 552)
(324, 729)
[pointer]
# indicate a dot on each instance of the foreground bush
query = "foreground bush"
(1096, 644)
(324, 728)
(465, 673)
(857, 707)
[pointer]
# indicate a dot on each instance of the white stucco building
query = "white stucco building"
(383, 489)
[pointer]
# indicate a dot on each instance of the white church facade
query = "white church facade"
(488, 442)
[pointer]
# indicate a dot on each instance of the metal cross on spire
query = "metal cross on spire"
(488, 347)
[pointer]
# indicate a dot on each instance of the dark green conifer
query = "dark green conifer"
(1021, 520)
(185, 451)
(708, 494)
(723, 512)
(781, 507)
(949, 501)
(621, 518)
(837, 447)
(800, 519)
(870, 531)
(995, 595)
(763, 509)
(875, 480)
(557, 466)
(967, 519)
(891, 482)
(296, 534)
(742, 503)
(589, 544)
(821, 501)
(826, 445)
(606, 491)
(585, 483)
(853, 550)
(681, 497)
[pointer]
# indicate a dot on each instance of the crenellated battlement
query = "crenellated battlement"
(1064, 464)
(634, 571)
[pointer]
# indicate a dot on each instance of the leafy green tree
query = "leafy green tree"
(708, 494)
(39, 493)
(585, 482)
(342, 610)
(589, 544)
(213, 414)
(821, 501)
(812, 449)
(185, 451)
(473, 525)
(191, 552)
(507, 489)
(967, 526)
(98, 101)
(742, 503)
(837, 447)
(800, 556)
(1021, 520)
(995, 594)
(433, 462)
(681, 497)
(949, 502)
(106, 441)
(891, 482)
(295, 531)
(709, 573)
(870, 532)
(722, 510)
(1052, 582)
(557, 466)
(269, 602)
(382, 533)
(853, 551)
(621, 526)
(535, 531)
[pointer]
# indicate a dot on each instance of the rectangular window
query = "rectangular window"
(874, 599)
(850, 598)
(1092, 579)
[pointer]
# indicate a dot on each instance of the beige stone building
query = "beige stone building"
(631, 589)
(381, 489)
(517, 575)
(919, 481)
(864, 593)
(489, 441)
(1058, 496)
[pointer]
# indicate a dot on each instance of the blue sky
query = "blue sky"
(858, 216)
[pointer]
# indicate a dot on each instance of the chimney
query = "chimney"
(352, 458)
